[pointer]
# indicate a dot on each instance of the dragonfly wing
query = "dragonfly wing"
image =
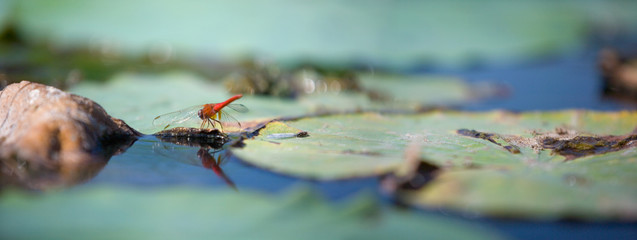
(225, 118)
(238, 107)
(177, 117)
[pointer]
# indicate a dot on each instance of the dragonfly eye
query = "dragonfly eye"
(200, 114)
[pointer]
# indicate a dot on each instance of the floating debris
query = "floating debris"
(562, 142)
(580, 146)
(491, 137)
(287, 135)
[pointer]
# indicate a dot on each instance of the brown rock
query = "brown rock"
(49, 137)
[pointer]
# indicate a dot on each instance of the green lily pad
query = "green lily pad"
(372, 144)
(345, 146)
(138, 98)
(114, 213)
(416, 92)
(593, 188)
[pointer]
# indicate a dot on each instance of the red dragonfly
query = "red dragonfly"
(209, 114)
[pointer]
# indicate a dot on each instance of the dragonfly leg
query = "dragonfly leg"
(216, 123)
(207, 123)
(220, 125)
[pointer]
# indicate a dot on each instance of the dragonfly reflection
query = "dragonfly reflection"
(210, 156)
(208, 161)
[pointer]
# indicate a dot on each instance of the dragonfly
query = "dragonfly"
(209, 114)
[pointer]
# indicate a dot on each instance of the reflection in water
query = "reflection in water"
(210, 162)
(74, 168)
(210, 155)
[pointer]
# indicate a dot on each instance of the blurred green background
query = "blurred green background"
(393, 34)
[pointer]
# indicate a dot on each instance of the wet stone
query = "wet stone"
(46, 130)
(195, 137)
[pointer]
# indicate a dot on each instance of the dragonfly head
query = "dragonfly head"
(200, 114)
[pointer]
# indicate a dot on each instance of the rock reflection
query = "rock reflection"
(43, 174)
